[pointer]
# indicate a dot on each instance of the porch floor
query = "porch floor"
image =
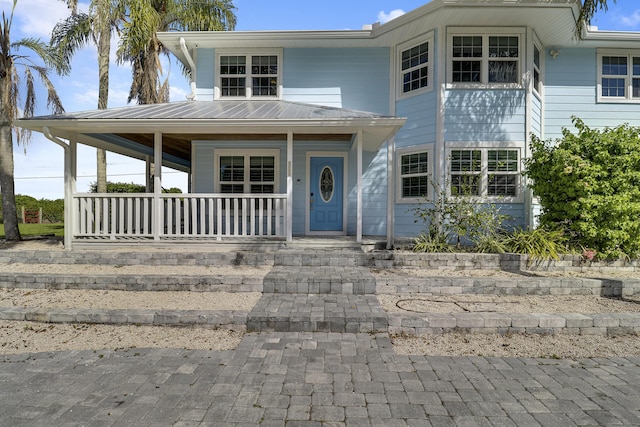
(368, 243)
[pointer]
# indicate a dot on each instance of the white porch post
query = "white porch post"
(359, 196)
(72, 177)
(289, 230)
(147, 169)
(157, 184)
(391, 186)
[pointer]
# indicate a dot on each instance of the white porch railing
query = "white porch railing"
(181, 216)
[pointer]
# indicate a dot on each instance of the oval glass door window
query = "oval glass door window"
(327, 184)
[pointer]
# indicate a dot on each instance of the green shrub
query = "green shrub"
(52, 210)
(538, 243)
(433, 241)
(589, 185)
(455, 219)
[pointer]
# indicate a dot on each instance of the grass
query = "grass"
(27, 230)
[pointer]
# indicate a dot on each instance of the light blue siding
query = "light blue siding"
(484, 115)
(205, 75)
(204, 152)
(421, 113)
(405, 225)
(356, 79)
(571, 90)
(374, 193)
(536, 116)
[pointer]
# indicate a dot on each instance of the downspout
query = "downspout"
(68, 196)
(192, 66)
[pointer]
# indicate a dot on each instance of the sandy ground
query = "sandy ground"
(29, 337)
(416, 303)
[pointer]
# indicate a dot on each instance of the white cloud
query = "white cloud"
(36, 18)
(630, 21)
(384, 17)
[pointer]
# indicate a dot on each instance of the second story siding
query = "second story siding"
(356, 79)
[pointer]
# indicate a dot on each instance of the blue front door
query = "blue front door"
(326, 194)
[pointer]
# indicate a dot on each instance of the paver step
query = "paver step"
(203, 318)
(138, 282)
(314, 257)
(317, 313)
(442, 285)
(142, 257)
(319, 280)
(516, 323)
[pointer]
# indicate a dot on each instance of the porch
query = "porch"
(211, 221)
(178, 217)
(224, 202)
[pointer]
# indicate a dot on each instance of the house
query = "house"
(302, 133)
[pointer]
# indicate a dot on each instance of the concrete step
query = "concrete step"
(317, 313)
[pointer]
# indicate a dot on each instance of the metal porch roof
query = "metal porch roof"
(129, 130)
(214, 110)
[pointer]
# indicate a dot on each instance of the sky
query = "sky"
(39, 165)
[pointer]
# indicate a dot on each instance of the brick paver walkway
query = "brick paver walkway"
(313, 379)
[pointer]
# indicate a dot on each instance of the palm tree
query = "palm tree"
(13, 59)
(140, 46)
(588, 11)
(76, 32)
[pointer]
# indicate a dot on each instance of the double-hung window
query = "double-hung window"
(619, 76)
(537, 80)
(485, 172)
(485, 59)
(248, 173)
(414, 170)
(248, 76)
(415, 69)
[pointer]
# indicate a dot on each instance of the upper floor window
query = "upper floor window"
(248, 76)
(414, 174)
(485, 172)
(415, 69)
(619, 76)
(485, 59)
(537, 82)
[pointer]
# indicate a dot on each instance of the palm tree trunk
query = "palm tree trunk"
(104, 48)
(9, 210)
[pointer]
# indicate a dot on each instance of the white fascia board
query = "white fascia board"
(212, 126)
(262, 39)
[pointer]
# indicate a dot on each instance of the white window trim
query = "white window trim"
(484, 173)
(246, 153)
(484, 70)
(426, 38)
(248, 53)
(627, 99)
(427, 148)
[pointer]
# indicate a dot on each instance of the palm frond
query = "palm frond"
(71, 34)
(587, 11)
(45, 52)
(30, 99)
(53, 100)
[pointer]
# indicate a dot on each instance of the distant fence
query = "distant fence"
(31, 216)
